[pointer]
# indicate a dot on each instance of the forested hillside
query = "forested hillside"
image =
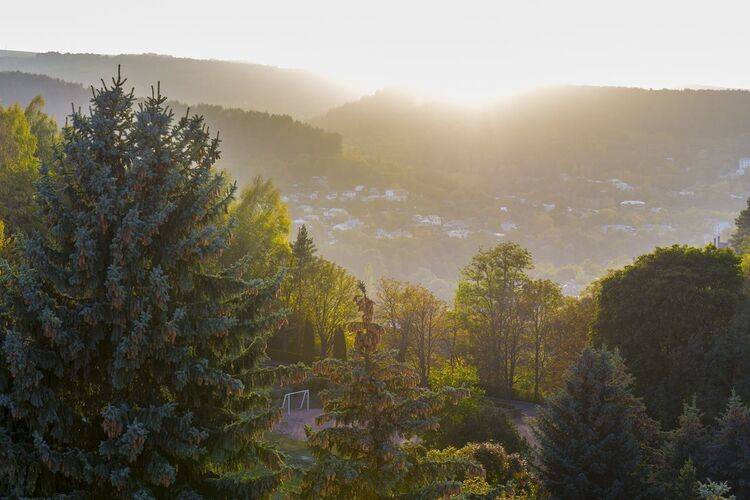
(230, 84)
(606, 131)
(254, 142)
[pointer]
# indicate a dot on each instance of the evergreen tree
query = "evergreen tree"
(375, 404)
(303, 248)
(130, 363)
(685, 444)
(686, 484)
(589, 433)
(303, 263)
(308, 341)
(729, 450)
(339, 344)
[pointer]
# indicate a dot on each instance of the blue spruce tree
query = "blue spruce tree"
(593, 435)
(131, 363)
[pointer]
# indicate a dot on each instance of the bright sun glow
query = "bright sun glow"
(460, 50)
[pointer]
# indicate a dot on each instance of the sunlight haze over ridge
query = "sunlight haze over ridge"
(460, 50)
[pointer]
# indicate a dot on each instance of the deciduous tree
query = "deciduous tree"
(19, 169)
(541, 301)
(331, 302)
(488, 304)
(666, 313)
(262, 230)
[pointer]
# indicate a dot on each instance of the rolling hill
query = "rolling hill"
(253, 142)
(247, 86)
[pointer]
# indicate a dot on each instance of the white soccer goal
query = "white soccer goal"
(286, 403)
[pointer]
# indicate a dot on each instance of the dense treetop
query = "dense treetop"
(131, 363)
(669, 314)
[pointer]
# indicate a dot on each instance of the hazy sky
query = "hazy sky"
(457, 48)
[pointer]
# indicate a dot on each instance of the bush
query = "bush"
(498, 473)
(472, 421)
(475, 419)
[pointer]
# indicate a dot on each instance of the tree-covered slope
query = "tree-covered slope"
(627, 133)
(253, 141)
(231, 84)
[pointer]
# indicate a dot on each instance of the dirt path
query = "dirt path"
(293, 424)
(523, 414)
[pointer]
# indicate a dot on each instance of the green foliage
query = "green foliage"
(303, 250)
(497, 473)
(308, 341)
(686, 484)
(417, 324)
(591, 434)
(695, 452)
(568, 336)
(667, 313)
(374, 404)
(299, 286)
(131, 365)
(474, 419)
(712, 490)
(729, 449)
(541, 300)
(44, 129)
(262, 230)
(683, 454)
(19, 169)
(458, 374)
(339, 344)
(330, 301)
(488, 306)
(740, 240)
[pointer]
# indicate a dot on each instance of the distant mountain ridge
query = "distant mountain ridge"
(606, 131)
(256, 87)
(252, 141)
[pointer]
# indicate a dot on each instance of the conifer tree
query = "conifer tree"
(309, 351)
(729, 449)
(686, 485)
(339, 344)
(303, 248)
(303, 262)
(130, 362)
(588, 433)
(686, 444)
(375, 403)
